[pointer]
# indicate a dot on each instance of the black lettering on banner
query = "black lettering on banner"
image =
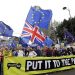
(17, 65)
(46, 64)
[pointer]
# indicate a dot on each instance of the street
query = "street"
(67, 72)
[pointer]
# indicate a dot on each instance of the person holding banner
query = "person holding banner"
(20, 53)
(1, 54)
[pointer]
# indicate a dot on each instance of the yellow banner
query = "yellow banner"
(37, 65)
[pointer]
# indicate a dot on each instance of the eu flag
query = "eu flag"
(69, 37)
(39, 17)
(5, 30)
(1, 27)
(36, 18)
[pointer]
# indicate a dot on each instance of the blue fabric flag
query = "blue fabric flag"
(8, 31)
(23, 42)
(69, 37)
(36, 18)
(39, 17)
(5, 30)
(32, 34)
(1, 28)
(39, 43)
(48, 42)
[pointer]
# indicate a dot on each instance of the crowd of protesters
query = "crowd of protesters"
(37, 51)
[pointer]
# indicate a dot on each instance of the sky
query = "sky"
(14, 12)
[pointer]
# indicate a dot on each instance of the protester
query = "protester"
(32, 53)
(48, 52)
(35, 50)
(1, 54)
(38, 50)
(25, 50)
(73, 50)
(20, 51)
(15, 52)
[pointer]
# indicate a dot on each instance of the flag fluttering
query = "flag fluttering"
(23, 42)
(68, 36)
(39, 17)
(32, 34)
(5, 30)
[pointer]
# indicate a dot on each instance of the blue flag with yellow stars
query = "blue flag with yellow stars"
(5, 30)
(39, 17)
(1, 28)
(69, 37)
